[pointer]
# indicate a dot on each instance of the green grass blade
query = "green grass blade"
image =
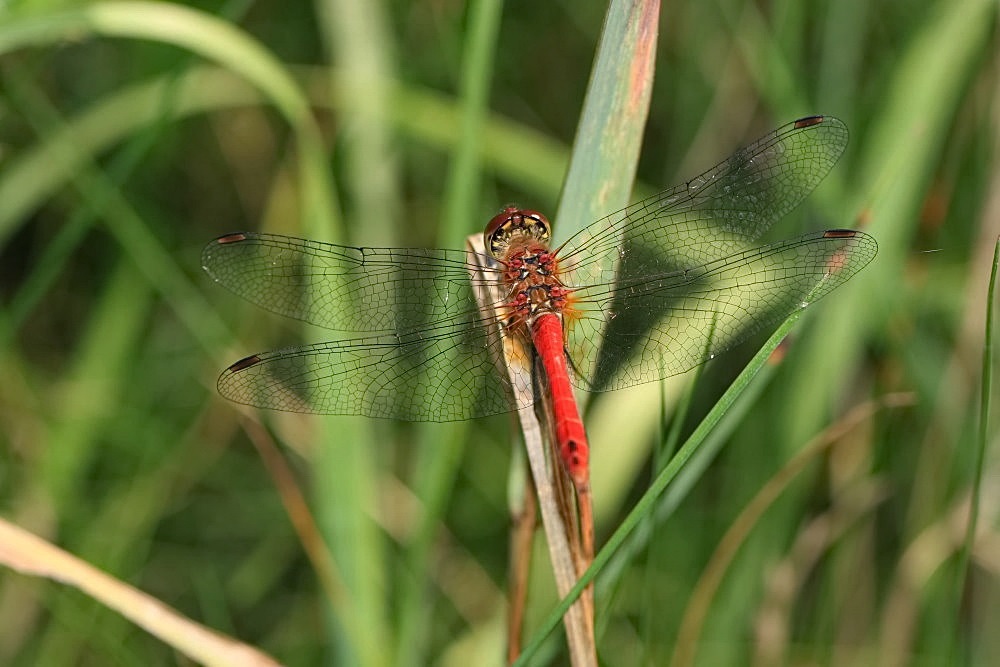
(463, 189)
(646, 505)
(896, 161)
(982, 442)
(440, 448)
(609, 136)
(361, 48)
(211, 38)
(347, 469)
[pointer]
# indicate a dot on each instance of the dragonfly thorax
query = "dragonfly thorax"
(514, 227)
(531, 275)
(535, 300)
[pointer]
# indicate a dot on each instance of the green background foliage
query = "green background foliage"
(133, 133)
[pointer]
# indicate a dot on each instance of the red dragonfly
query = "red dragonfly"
(647, 292)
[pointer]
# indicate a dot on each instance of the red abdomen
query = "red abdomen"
(547, 336)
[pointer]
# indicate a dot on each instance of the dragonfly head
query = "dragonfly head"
(515, 226)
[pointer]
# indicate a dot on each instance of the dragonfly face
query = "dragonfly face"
(514, 227)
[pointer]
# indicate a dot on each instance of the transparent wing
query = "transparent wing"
(428, 353)
(438, 378)
(669, 281)
(343, 288)
(714, 215)
(663, 324)
(665, 284)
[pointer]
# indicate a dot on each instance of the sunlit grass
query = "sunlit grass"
(131, 134)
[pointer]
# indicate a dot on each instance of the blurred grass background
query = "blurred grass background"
(131, 134)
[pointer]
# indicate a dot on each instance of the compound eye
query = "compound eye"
(497, 233)
(537, 225)
(513, 221)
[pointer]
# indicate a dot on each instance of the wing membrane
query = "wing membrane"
(343, 288)
(714, 215)
(663, 324)
(427, 354)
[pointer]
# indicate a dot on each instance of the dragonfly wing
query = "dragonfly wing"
(426, 352)
(714, 215)
(365, 290)
(443, 373)
(676, 254)
(663, 324)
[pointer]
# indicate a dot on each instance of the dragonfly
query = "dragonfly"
(647, 292)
